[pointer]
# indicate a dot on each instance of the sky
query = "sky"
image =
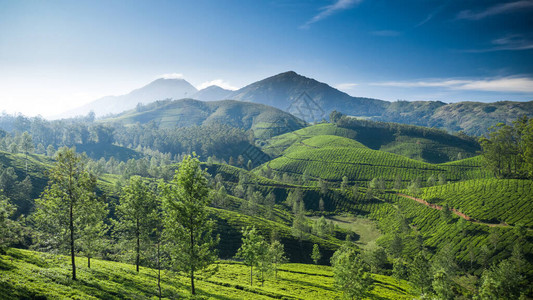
(57, 55)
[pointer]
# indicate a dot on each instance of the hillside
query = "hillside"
(487, 200)
(424, 144)
(264, 120)
(34, 275)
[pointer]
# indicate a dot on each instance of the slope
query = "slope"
(34, 275)
(306, 98)
(333, 161)
(212, 93)
(264, 120)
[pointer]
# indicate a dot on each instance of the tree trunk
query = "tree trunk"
(138, 250)
(159, 271)
(251, 277)
(72, 242)
(88, 262)
(193, 291)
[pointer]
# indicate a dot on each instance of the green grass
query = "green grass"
(365, 228)
(33, 275)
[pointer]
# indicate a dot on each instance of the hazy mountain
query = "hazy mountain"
(263, 119)
(156, 90)
(212, 93)
(306, 98)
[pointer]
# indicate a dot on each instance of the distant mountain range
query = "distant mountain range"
(312, 101)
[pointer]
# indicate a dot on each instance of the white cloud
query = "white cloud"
(329, 10)
(346, 86)
(511, 42)
(506, 84)
(218, 82)
(171, 76)
(495, 10)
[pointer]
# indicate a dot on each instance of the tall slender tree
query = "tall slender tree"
(59, 210)
(136, 215)
(188, 228)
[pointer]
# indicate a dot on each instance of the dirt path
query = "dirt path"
(453, 210)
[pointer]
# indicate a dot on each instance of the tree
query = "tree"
(277, 254)
(26, 144)
(397, 185)
(321, 205)
(344, 184)
(442, 285)
(251, 248)
(316, 255)
(420, 273)
(350, 273)
(59, 209)
(93, 230)
(299, 228)
(136, 215)
(9, 229)
(501, 281)
(188, 228)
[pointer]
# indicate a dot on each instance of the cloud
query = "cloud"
(431, 15)
(329, 10)
(346, 86)
(511, 42)
(218, 82)
(495, 10)
(386, 33)
(506, 84)
(171, 76)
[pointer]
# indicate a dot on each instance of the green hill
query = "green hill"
(267, 121)
(420, 143)
(487, 200)
(332, 160)
(34, 275)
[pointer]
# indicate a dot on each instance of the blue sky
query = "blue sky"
(56, 55)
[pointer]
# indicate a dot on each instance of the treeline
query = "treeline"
(508, 149)
(218, 140)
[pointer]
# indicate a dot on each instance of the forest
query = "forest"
(134, 210)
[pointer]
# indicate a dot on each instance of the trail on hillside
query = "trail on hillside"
(455, 211)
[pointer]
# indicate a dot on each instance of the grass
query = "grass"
(365, 228)
(33, 275)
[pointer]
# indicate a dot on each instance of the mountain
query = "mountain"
(306, 98)
(212, 93)
(263, 119)
(158, 89)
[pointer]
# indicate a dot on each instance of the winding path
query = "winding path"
(453, 210)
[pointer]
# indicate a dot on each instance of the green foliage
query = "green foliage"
(9, 229)
(252, 249)
(137, 214)
(350, 273)
(507, 149)
(501, 281)
(59, 215)
(188, 228)
(316, 255)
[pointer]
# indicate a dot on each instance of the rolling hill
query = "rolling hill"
(266, 121)
(212, 93)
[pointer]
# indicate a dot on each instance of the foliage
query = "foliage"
(136, 220)
(188, 228)
(350, 273)
(59, 212)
